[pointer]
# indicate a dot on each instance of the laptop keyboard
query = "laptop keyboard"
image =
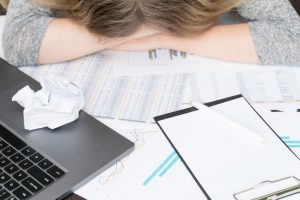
(23, 171)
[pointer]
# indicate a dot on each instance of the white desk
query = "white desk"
(152, 171)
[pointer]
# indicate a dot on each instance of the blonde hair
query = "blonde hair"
(117, 18)
(4, 3)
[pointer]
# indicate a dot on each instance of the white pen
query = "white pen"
(244, 131)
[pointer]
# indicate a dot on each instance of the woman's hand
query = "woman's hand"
(155, 41)
(142, 33)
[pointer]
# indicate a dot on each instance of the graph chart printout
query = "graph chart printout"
(159, 57)
(165, 61)
(211, 80)
(152, 171)
(118, 97)
(257, 86)
(287, 126)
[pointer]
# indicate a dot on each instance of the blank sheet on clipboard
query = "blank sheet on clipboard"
(225, 164)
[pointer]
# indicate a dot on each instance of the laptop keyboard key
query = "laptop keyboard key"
(39, 175)
(11, 139)
(9, 151)
(21, 193)
(4, 162)
(45, 164)
(12, 168)
(4, 177)
(4, 194)
(55, 172)
(36, 157)
(25, 164)
(20, 175)
(12, 198)
(17, 158)
(11, 185)
(27, 151)
(3, 144)
(32, 185)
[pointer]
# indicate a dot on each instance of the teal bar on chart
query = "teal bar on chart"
(294, 146)
(159, 168)
(169, 166)
(292, 142)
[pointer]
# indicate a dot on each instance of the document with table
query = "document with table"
(233, 167)
(140, 97)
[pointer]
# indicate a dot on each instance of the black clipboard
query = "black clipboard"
(210, 104)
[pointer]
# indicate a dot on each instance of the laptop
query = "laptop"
(49, 164)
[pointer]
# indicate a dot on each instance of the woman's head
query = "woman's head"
(117, 18)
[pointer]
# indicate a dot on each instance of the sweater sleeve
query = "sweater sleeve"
(275, 30)
(23, 32)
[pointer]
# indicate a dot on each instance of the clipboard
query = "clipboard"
(263, 182)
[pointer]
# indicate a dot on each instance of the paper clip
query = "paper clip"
(275, 190)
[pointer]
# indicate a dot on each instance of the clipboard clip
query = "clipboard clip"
(271, 190)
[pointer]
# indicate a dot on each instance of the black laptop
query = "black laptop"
(49, 164)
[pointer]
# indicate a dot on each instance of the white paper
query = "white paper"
(287, 126)
(125, 180)
(241, 131)
(56, 104)
(258, 86)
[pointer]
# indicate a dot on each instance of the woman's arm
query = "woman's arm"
(271, 37)
(223, 42)
(33, 36)
(65, 40)
(275, 30)
(24, 29)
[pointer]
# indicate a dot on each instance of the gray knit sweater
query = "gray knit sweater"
(274, 26)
